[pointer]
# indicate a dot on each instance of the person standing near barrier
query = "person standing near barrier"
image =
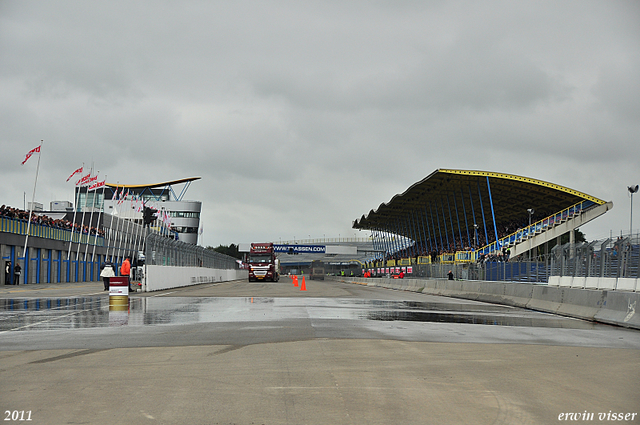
(108, 271)
(125, 270)
(7, 273)
(16, 274)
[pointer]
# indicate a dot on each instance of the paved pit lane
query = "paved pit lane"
(93, 312)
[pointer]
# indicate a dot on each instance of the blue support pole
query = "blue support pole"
(412, 234)
(466, 223)
(49, 258)
(25, 275)
(484, 221)
(427, 231)
(453, 232)
(446, 232)
(495, 228)
(473, 214)
(434, 229)
(401, 238)
(416, 225)
(38, 264)
(59, 268)
(407, 232)
(455, 207)
(397, 232)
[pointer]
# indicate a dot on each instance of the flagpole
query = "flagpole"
(33, 199)
(127, 235)
(86, 198)
(93, 205)
(114, 197)
(119, 234)
(73, 223)
(93, 253)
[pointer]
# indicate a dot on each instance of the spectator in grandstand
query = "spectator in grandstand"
(44, 220)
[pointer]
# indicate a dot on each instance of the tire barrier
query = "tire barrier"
(617, 307)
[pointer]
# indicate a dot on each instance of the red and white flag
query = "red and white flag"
(115, 195)
(97, 185)
(123, 196)
(78, 171)
(31, 152)
(84, 180)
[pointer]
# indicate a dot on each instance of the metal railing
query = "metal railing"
(19, 227)
(163, 251)
(612, 257)
(538, 227)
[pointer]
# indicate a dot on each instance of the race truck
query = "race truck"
(263, 264)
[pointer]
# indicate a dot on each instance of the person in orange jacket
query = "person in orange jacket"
(125, 270)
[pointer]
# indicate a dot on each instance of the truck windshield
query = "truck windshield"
(257, 258)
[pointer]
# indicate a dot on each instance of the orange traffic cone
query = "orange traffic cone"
(295, 281)
(303, 287)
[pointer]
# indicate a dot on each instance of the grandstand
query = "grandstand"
(462, 215)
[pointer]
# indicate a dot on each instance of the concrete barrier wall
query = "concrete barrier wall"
(627, 284)
(162, 277)
(602, 305)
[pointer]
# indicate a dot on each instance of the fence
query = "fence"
(609, 258)
(19, 227)
(163, 251)
(513, 271)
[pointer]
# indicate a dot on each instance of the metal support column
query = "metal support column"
(493, 215)
(453, 232)
(466, 223)
(484, 221)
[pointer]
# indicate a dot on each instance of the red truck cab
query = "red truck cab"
(263, 264)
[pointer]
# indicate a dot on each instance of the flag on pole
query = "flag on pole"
(97, 185)
(78, 171)
(31, 152)
(84, 180)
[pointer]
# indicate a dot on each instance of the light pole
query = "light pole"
(530, 211)
(632, 190)
(475, 228)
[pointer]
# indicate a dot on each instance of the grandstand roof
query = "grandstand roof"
(447, 196)
(153, 185)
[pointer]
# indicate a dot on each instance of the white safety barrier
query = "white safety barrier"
(627, 284)
(608, 306)
(165, 277)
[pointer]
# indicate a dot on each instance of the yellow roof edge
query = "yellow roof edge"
(523, 179)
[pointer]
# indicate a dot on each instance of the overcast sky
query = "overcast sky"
(301, 116)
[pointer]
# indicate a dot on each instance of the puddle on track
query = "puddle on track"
(92, 312)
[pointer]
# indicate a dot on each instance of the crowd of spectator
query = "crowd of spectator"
(44, 220)
(463, 244)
